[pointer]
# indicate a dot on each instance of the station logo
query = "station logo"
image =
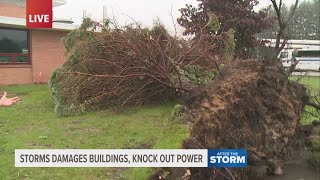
(39, 14)
(227, 158)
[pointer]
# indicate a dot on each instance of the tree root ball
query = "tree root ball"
(252, 105)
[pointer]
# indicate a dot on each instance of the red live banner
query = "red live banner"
(39, 14)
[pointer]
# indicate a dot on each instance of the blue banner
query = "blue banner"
(227, 158)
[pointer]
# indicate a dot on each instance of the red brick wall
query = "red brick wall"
(10, 74)
(18, 74)
(47, 53)
(12, 11)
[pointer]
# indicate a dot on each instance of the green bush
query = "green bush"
(197, 75)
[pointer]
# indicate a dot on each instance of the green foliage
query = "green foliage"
(74, 58)
(74, 61)
(214, 23)
(86, 24)
(62, 108)
(176, 112)
(316, 146)
(81, 34)
(75, 36)
(230, 45)
(73, 44)
(197, 75)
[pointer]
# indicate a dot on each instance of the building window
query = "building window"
(14, 46)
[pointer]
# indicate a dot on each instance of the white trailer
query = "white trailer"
(308, 54)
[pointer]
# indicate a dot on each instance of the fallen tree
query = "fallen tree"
(129, 66)
(247, 104)
(251, 105)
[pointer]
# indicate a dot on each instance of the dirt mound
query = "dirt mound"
(250, 105)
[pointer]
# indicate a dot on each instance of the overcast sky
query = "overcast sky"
(143, 11)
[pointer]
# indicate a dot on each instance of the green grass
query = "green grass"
(313, 85)
(32, 124)
(311, 82)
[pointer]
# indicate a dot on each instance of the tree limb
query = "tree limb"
(292, 68)
(282, 25)
(292, 12)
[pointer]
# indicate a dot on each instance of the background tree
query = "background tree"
(236, 14)
(305, 23)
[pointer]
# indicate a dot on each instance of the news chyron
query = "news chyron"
(236, 158)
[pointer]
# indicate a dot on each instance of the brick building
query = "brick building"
(28, 55)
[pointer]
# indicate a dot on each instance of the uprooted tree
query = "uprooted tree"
(251, 104)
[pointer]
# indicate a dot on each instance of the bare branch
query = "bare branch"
(282, 25)
(292, 12)
(292, 68)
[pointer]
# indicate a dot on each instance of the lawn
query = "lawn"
(313, 85)
(311, 82)
(32, 124)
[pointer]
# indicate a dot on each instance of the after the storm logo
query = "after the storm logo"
(227, 158)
